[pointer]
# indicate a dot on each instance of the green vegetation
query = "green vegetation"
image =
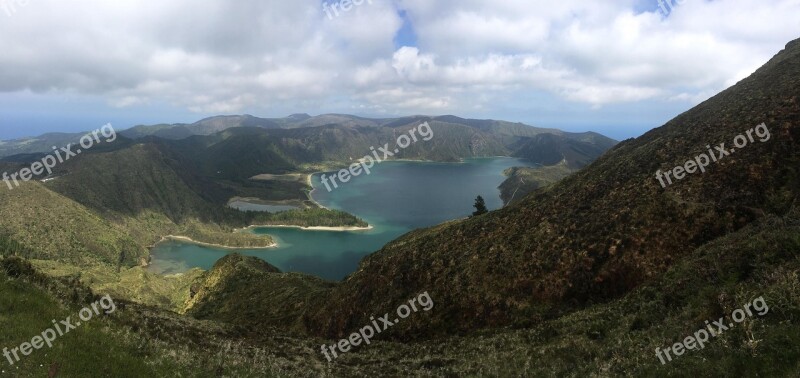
(99, 218)
(617, 338)
(480, 207)
(133, 180)
(236, 279)
(522, 180)
(314, 217)
(136, 284)
(172, 201)
(135, 340)
(240, 152)
(38, 145)
(42, 224)
(550, 149)
(612, 339)
(90, 349)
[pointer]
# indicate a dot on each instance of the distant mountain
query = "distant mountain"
(551, 149)
(35, 145)
(242, 152)
(206, 126)
(340, 137)
(332, 119)
(174, 131)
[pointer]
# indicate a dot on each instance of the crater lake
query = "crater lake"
(398, 197)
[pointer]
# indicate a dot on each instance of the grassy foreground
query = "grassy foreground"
(617, 338)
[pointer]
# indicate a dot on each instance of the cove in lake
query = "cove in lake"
(398, 197)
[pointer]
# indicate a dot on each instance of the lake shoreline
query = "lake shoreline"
(189, 240)
(312, 228)
(313, 189)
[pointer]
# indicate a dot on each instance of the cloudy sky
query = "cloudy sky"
(620, 67)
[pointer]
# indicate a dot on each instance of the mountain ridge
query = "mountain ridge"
(506, 133)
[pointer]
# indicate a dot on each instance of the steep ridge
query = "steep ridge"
(207, 126)
(50, 226)
(105, 182)
(550, 149)
(599, 233)
(235, 280)
(245, 152)
(524, 180)
(39, 144)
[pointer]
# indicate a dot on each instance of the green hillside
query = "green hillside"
(47, 225)
(235, 279)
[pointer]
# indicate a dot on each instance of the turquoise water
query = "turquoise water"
(396, 198)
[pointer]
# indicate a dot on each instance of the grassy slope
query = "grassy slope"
(130, 181)
(55, 227)
(619, 338)
(138, 189)
(70, 240)
(144, 190)
(134, 284)
(90, 350)
(134, 341)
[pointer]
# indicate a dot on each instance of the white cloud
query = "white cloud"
(228, 56)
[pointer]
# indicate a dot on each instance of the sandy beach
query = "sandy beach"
(311, 192)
